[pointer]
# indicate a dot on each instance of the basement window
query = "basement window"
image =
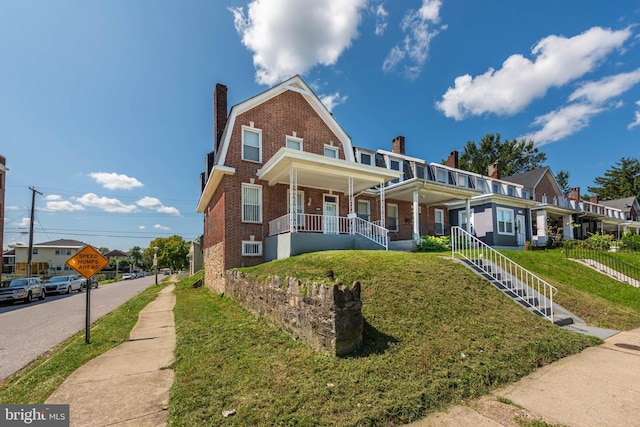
(251, 248)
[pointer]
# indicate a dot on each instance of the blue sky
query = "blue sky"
(106, 106)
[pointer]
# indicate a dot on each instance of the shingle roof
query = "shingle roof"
(528, 179)
(622, 204)
(63, 242)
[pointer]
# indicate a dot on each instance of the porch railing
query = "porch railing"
(314, 223)
(519, 283)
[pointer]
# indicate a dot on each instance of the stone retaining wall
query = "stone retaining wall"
(326, 318)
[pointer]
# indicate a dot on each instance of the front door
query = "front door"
(330, 217)
(521, 234)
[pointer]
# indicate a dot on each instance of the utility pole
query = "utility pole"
(33, 203)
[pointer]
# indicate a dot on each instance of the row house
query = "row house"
(47, 258)
(284, 178)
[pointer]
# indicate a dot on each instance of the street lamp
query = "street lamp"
(155, 261)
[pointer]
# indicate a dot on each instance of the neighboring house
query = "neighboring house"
(116, 253)
(195, 257)
(565, 216)
(3, 172)
(9, 262)
(48, 258)
(630, 208)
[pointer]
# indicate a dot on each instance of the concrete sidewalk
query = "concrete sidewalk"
(128, 385)
(598, 387)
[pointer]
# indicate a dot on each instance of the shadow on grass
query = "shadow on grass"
(373, 342)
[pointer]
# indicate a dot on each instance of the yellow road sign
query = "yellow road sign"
(87, 262)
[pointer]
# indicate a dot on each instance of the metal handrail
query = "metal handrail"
(609, 264)
(533, 291)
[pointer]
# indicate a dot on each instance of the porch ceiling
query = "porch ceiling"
(315, 171)
(429, 192)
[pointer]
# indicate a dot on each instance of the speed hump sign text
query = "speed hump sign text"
(87, 262)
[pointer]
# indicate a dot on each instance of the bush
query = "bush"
(434, 244)
(597, 242)
(630, 241)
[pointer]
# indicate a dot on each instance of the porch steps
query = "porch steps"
(519, 292)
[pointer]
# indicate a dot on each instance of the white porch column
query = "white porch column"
(541, 227)
(567, 227)
(468, 216)
(352, 214)
(293, 200)
(416, 216)
(382, 207)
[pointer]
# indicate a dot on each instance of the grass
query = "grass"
(598, 299)
(435, 334)
(38, 380)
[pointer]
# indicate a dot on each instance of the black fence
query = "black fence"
(606, 261)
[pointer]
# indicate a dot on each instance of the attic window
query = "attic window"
(294, 143)
(365, 158)
(251, 144)
(330, 151)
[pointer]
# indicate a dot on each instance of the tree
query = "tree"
(562, 178)
(103, 250)
(172, 252)
(620, 181)
(513, 156)
(136, 255)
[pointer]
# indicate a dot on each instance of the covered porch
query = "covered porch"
(333, 180)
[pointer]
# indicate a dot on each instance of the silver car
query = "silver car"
(23, 289)
(64, 284)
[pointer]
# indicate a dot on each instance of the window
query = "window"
(439, 222)
(511, 191)
(251, 144)
(331, 151)
(364, 210)
(68, 251)
(525, 194)
(392, 217)
(420, 171)
(462, 180)
(365, 158)
(294, 143)
(505, 221)
(251, 203)
(57, 251)
(35, 251)
(251, 248)
(495, 187)
(441, 175)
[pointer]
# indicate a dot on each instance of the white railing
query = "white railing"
(313, 223)
(528, 288)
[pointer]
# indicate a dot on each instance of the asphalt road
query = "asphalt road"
(29, 330)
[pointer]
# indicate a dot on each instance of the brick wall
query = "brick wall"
(546, 187)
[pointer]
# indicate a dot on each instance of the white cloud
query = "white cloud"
(51, 197)
(637, 120)
(161, 227)
(417, 26)
(606, 88)
(25, 222)
(289, 37)
(381, 19)
(141, 227)
(156, 205)
(62, 206)
(114, 181)
(333, 100)
(507, 91)
(592, 99)
(105, 203)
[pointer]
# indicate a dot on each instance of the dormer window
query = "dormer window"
(441, 175)
(511, 191)
(365, 158)
(420, 171)
(395, 165)
(331, 151)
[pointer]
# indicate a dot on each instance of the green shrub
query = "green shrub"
(631, 241)
(434, 244)
(598, 242)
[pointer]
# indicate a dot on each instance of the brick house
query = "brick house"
(284, 179)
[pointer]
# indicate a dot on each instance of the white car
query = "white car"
(127, 276)
(64, 284)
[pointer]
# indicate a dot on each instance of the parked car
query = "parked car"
(127, 276)
(93, 282)
(64, 284)
(23, 289)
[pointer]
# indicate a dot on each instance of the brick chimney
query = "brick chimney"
(397, 145)
(593, 199)
(219, 113)
(494, 170)
(452, 160)
(575, 193)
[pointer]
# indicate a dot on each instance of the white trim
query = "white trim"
(512, 222)
(288, 138)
